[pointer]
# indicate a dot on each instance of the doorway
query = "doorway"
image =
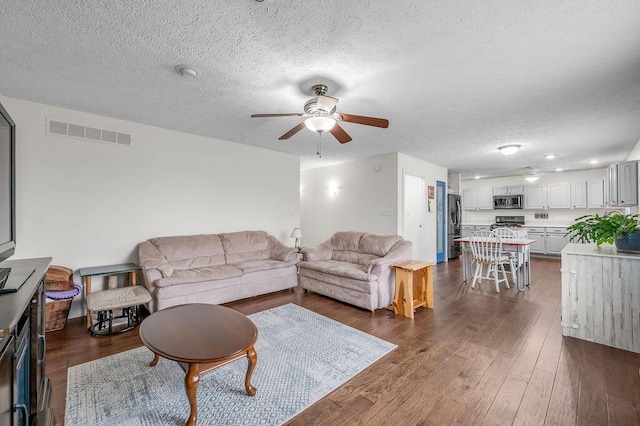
(441, 232)
(414, 215)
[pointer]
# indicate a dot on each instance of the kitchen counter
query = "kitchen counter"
(599, 295)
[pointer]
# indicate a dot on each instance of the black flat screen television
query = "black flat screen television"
(7, 185)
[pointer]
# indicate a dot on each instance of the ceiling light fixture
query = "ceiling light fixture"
(531, 178)
(550, 157)
(594, 162)
(185, 71)
(559, 169)
(477, 177)
(320, 123)
(509, 149)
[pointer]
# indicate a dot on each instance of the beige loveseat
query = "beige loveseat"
(215, 268)
(354, 267)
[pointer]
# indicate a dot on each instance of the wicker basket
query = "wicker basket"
(59, 278)
(57, 312)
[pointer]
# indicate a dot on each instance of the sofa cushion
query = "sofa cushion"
(191, 251)
(335, 281)
(349, 241)
(378, 245)
(262, 265)
(245, 245)
(339, 269)
(196, 275)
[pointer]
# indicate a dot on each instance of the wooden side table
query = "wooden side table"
(87, 273)
(414, 286)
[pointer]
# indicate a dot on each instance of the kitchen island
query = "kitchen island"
(601, 295)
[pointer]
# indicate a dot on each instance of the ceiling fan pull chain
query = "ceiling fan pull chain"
(319, 148)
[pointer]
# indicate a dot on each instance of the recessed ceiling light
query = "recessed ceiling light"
(559, 169)
(477, 177)
(185, 71)
(594, 162)
(509, 149)
(550, 156)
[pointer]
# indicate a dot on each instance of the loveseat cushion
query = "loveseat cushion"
(368, 287)
(340, 269)
(349, 240)
(245, 245)
(191, 251)
(378, 245)
(196, 275)
(262, 265)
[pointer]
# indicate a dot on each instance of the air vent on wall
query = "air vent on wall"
(88, 133)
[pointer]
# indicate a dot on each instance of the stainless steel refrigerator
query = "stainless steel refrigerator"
(454, 208)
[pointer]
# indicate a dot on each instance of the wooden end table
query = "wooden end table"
(414, 286)
(201, 337)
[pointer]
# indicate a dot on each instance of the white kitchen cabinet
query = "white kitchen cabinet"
(622, 184)
(535, 197)
(537, 234)
(467, 230)
(559, 196)
(470, 199)
(477, 199)
(509, 190)
(556, 240)
(485, 198)
(579, 195)
(595, 194)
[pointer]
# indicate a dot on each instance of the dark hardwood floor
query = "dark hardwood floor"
(476, 358)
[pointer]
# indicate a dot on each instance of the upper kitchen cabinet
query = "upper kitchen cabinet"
(508, 190)
(595, 194)
(477, 199)
(553, 196)
(621, 182)
(535, 197)
(559, 196)
(579, 195)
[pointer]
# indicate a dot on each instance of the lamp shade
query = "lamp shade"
(296, 233)
(320, 124)
(509, 149)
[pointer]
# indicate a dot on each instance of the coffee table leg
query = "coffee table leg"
(191, 386)
(156, 358)
(253, 359)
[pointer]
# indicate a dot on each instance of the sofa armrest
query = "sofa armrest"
(321, 252)
(150, 258)
(278, 251)
(399, 252)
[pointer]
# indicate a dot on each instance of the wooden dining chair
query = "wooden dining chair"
(515, 258)
(486, 247)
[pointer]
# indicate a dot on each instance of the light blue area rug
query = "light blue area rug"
(302, 356)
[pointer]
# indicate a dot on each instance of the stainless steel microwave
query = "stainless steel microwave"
(508, 202)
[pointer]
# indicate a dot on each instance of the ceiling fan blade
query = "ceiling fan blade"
(340, 134)
(293, 114)
(367, 121)
(292, 131)
(326, 103)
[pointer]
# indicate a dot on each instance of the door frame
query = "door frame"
(441, 225)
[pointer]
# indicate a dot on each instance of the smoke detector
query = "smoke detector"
(186, 72)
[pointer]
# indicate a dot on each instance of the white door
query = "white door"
(414, 215)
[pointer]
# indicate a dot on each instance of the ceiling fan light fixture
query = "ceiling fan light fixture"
(509, 149)
(531, 178)
(320, 123)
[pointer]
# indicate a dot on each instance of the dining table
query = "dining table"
(518, 245)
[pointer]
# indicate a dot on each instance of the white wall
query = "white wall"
(365, 199)
(89, 203)
(555, 215)
(431, 173)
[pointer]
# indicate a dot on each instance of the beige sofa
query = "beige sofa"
(354, 267)
(215, 268)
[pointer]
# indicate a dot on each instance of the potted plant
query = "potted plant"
(611, 227)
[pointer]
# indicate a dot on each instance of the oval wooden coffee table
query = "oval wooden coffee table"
(201, 337)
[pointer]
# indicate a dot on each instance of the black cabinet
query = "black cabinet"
(24, 389)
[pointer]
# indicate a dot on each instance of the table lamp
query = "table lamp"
(297, 235)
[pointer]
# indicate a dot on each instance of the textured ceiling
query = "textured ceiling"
(456, 79)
